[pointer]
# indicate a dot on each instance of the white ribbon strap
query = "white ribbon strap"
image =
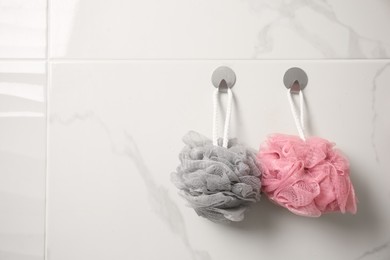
(227, 118)
(299, 121)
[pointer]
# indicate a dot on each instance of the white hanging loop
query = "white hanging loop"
(227, 117)
(299, 121)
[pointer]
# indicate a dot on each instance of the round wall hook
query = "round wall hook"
(295, 79)
(223, 77)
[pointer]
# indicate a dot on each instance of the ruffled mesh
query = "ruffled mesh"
(219, 183)
(308, 178)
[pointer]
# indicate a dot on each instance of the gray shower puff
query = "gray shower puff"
(219, 183)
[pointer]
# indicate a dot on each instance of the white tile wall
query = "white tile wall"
(126, 79)
(115, 132)
(22, 28)
(219, 29)
(22, 159)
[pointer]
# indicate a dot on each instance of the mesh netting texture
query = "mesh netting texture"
(219, 183)
(306, 177)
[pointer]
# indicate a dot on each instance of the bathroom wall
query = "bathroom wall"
(96, 95)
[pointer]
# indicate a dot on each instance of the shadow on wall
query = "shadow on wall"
(265, 218)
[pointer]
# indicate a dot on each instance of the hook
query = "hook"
(295, 79)
(223, 77)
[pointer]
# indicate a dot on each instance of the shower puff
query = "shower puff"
(308, 178)
(218, 183)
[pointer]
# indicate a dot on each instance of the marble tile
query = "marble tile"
(219, 29)
(115, 131)
(23, 28)
(22, 160)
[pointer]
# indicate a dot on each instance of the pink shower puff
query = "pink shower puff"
(306, 177)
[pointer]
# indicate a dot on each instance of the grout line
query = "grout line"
(61, 60)
(86, 60)
(48, 83)
(48, 86)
